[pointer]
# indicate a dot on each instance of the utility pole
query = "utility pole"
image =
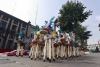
(14, 7)
(36, 14)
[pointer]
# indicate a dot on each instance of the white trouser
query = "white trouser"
(19, 49)
(30, 52)
(50, 43)
(36, 51)
(77, 51)
(33, 50)
(74, 51)
(58, 51)
(45, 52)
(53, 48)
(62, 51)
(68, 51)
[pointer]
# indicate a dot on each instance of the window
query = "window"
(9, 44)
(22, 30)
(2, 25)
(0, 40)
(13, 30)
(15, 22)
(15, 46)
(24, 25)
(0, 15)
(1, 34)
(5, 18)
(11, 37)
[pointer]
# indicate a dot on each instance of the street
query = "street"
(90, 60)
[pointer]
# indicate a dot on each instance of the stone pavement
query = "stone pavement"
(90, 60)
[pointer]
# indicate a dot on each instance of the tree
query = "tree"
(85, 36)
(71, 14)
(81, 31)
(99, 26)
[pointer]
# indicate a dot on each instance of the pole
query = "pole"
(14, 7)
(36, 14)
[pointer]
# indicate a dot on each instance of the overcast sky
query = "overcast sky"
(26, 10)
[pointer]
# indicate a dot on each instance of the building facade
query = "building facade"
(93, 46)
(9, 25)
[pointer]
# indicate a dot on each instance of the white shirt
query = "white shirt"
(67, 35)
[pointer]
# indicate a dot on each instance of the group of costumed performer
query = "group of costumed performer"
(66, 45)
(49, 44)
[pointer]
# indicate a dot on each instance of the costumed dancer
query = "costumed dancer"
(53, 40)
(33, 42)
(20, 41)
(77, 47)
(40, 41)
(58, 44)
(37, 50)
(30, 44)
(74, 48)
(51, 48)
(68, 48)
(18, 47)
(50, 44)
(33, 47)
(67, 42)
(72, 44)
(46, 48)
(45, 37)
(61, 47)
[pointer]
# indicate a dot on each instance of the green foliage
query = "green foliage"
(81, 31)
(86, 35)
(71, 14)
(51, 20)
(99, 25)
(37, 28)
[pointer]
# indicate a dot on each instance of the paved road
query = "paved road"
(90, 60)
